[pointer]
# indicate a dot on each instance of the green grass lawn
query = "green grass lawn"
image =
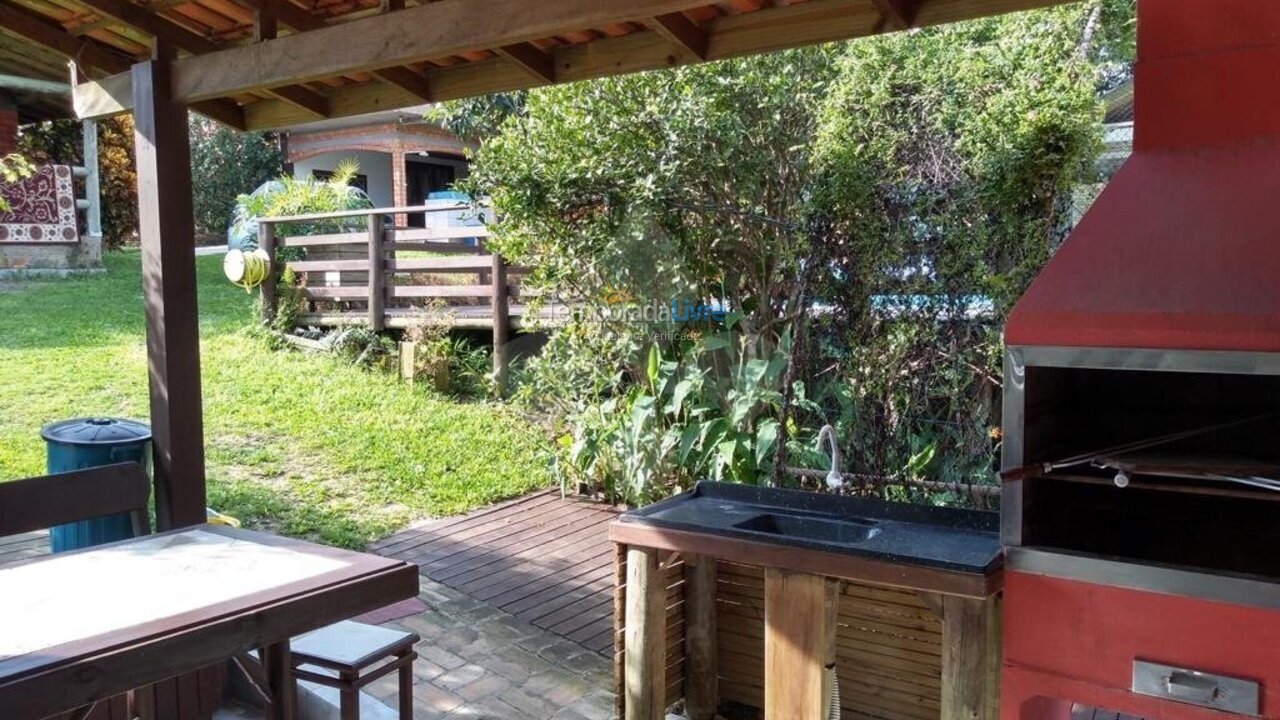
(299, 444)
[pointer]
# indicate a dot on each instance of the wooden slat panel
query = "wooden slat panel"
(462, 264)
(442, 233)
(441, 291)
(355, 238)
(352, 292)
(327, 265)
(888, 647)
(435, 247)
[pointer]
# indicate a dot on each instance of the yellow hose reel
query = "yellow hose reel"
(246, 269)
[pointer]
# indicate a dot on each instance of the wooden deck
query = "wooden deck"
(541, 558)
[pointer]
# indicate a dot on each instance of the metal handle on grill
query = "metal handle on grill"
(1191, 688)
(1196, 687)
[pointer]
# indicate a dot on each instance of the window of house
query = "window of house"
(360, 181)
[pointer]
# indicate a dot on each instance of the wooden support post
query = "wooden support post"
(799, 643)
(92, 182)
(166, 228)
(646, 636)
(376, 266)
(267, 244)
(279, 674)
(970, 658)
(701, 682)
(501, 323)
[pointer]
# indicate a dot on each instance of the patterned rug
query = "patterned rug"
(42, 208)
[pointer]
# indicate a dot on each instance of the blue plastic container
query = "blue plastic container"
(90, 442)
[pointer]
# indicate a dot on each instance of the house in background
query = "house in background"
(402, 155)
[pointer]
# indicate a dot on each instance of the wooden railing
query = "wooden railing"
(395, 277)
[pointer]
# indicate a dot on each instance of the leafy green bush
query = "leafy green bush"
(365, 348)
(709, 412)
(225, 163)
(289, 196)
(885, 201)
(13, 167)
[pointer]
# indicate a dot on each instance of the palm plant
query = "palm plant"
(306, 196)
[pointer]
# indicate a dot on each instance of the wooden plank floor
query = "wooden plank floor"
(542, 558)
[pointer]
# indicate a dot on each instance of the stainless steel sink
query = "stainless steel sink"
(840, 532)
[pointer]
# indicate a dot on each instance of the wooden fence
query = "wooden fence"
(386, 276)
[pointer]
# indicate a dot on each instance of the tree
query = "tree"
(226, 163)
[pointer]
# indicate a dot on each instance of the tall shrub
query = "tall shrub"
(945, 162)
(880, 202)
(226, 163)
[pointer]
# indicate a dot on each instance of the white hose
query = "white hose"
(246, 269)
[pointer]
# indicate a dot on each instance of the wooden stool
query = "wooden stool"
(349, 655)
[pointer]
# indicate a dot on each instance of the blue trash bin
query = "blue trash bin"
(91, 442)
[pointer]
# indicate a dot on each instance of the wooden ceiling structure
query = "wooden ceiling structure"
(259, 64)
(262, 64)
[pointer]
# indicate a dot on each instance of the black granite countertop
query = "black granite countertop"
(953, 539)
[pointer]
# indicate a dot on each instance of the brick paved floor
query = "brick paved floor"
(476, 661)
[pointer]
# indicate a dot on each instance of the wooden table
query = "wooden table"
(80, 627)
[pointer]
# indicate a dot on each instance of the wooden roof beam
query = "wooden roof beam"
(682, 31)
(264, 25)
(447, 27)
(161, 28)
(897, 14)
(172, 34)
(37, 30)
(305, 98)
(815, 21)
(224, 111)
(287, 13)
(541, 65)
(406, 79)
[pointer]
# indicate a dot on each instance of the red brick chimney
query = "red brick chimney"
(8, 124)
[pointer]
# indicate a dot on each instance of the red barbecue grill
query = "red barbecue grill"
(1141, 507)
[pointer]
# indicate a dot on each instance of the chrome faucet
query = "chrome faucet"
(835, 480)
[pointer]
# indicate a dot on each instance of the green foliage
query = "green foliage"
(708, 413)
(479, 117)
(684, 184)
(225, 163)
(365, 348)
(290, 300)
(60, 142)
(910, 186)
(291, 196)
(945, 161)
(13, 167)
